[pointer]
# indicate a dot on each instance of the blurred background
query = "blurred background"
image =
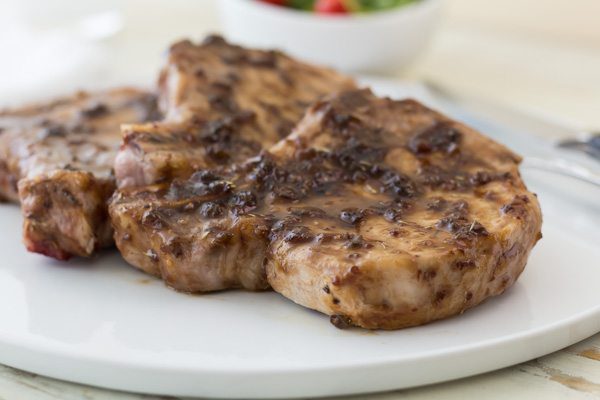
(538, 55)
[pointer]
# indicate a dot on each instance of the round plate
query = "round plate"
(102, 323)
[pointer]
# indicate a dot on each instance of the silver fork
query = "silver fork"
(562, 167)
(589, 146)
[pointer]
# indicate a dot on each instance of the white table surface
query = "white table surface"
(539, 55)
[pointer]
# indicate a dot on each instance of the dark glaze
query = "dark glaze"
(340, 321)
(441, 136)
(516, 207)
(38, 134)
(456, 222)
(320, 184)
(367, 199)
(456, 180)
(94, 110)
(145, 106)
(218, 136)
(228, 104)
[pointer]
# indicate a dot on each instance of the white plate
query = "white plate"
(105, 324)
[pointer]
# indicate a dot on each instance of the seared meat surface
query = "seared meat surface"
(379, 213)
(57, 160)
(222, 104)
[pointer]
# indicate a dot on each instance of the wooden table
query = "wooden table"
(539, 55)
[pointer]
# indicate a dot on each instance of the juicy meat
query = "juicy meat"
(57, 158)
(222, 104)
(379, 213)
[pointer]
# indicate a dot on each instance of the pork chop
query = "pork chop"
(379, 213)
(57, 160)
(222, 104)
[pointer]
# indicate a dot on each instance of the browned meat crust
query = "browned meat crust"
(65, 213)
(223, 104)
(57, 160)
(380, 213)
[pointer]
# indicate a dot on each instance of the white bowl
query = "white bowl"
(381, 41)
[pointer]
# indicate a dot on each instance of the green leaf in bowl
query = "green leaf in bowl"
(307, 5)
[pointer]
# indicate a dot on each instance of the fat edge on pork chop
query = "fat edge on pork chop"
(379, 213)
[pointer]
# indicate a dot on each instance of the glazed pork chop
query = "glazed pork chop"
(379, 213)
(57, 160)
(222, 104)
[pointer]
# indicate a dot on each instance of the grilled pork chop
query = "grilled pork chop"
(57, 158)
(379, 213)
(222, 104)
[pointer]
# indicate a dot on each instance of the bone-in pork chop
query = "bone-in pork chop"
(222, 104)
(57, 160)
(379, 213)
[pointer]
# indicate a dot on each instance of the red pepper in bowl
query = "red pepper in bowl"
(275, 2)
(330, 7)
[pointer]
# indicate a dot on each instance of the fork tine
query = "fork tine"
(595, 141)
(590, 146)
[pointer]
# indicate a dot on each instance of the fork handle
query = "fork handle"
(563, 167)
